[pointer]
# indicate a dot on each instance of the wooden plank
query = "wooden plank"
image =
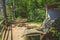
(3, 27)
(33, 35)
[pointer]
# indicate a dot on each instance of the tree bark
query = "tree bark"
(3, 9)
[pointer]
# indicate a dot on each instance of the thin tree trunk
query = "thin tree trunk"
(3, 9)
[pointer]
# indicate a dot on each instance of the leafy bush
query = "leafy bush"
(1, 26)
(56, 28)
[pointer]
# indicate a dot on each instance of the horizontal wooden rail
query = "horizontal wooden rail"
(2, 21)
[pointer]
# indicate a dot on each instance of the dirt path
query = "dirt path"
(18, 32)
(15, 33)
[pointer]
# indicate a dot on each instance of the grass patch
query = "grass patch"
(25, 38)
(35, 22)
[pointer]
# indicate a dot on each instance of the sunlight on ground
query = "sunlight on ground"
(35, 22)
(19, 19)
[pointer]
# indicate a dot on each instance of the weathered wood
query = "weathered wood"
(2, 21)
(2, 31)
(33, 35)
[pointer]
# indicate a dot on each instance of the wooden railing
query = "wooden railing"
(1, 22)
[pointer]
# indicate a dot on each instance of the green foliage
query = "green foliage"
(52, 1)
(56, 30)
(1, 26)
(55, 33)
(37, 16)
(56, 23)
(33, 10)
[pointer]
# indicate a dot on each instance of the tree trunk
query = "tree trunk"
(3, 9)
